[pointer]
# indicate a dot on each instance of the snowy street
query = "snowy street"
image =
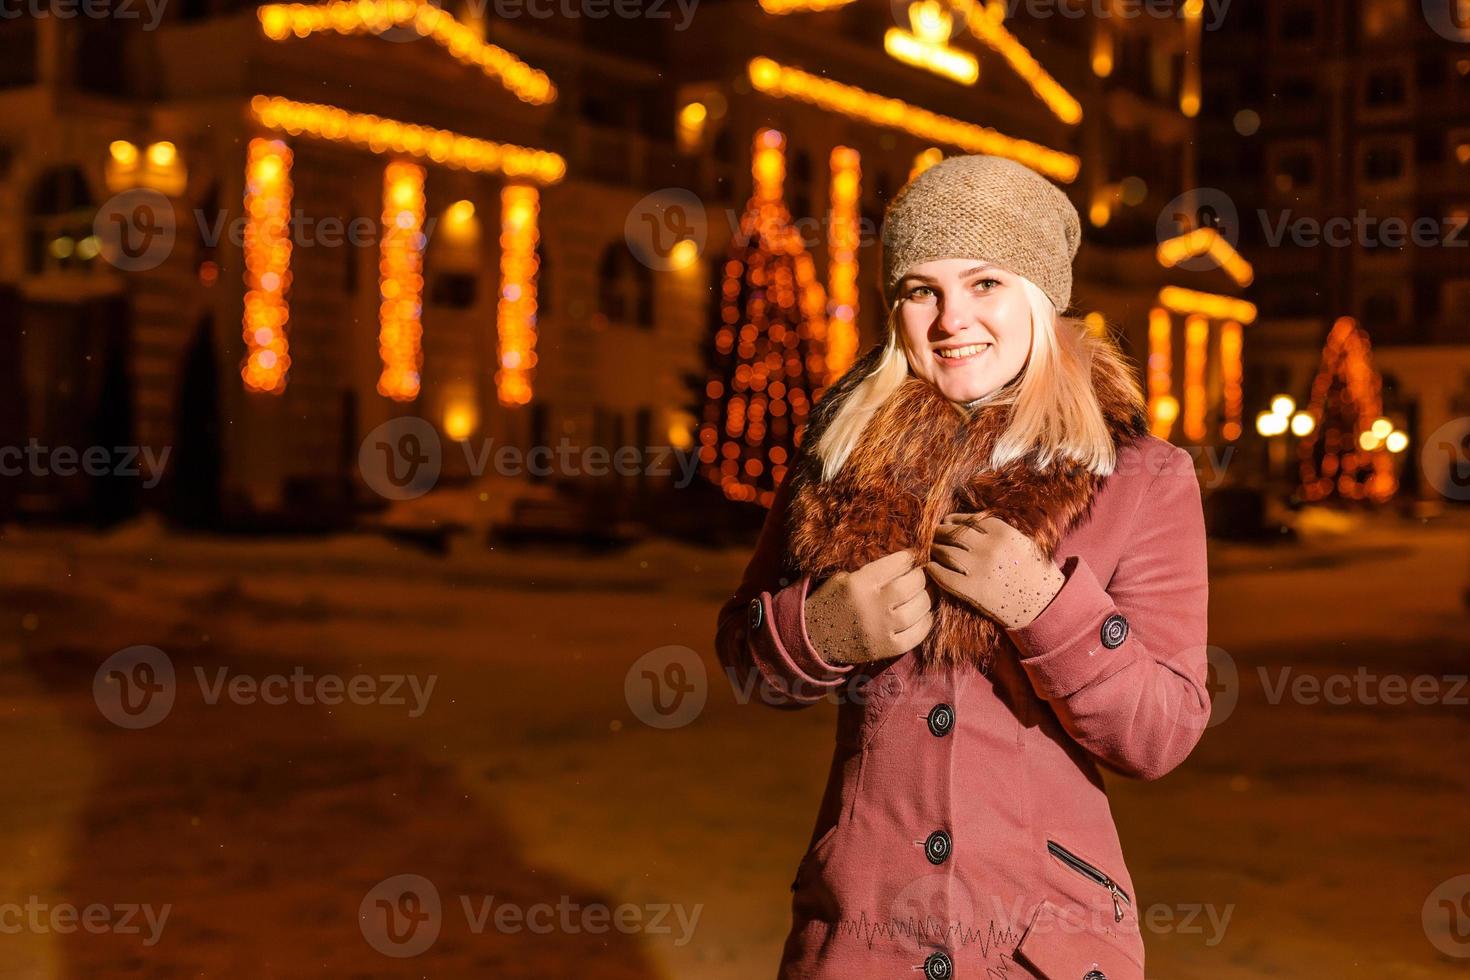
(344, 711)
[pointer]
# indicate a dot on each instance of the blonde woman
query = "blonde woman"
(1000, 576)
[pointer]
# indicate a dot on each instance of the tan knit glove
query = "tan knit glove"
(992, 566)
(880, 611)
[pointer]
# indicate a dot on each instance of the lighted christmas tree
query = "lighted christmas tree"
(1349, 451)
(766, 358)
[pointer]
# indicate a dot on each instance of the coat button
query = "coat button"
(941, 720)
(1094, 975)
(936, 847)
(938, 966)
(757, 613)
(1114, 631)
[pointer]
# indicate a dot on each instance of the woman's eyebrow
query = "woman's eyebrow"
(963, 275)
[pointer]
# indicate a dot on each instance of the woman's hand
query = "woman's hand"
(994, 567)
(880, 611)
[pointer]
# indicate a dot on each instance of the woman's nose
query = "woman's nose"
(955, 317)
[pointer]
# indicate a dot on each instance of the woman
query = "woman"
(1000, 574)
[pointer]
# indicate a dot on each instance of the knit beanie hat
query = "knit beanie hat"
(983, 207)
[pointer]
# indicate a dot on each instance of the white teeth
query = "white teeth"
(954, 352)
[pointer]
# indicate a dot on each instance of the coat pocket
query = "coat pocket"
(1121, 901)
(1066, 947)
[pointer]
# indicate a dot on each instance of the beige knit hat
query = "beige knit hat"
(983, 207)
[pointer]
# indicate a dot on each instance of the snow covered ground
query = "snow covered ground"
(478, 721)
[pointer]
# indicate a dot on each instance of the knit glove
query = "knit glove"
(880, 611)
(993, 567)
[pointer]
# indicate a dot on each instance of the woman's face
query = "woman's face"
(966, 326)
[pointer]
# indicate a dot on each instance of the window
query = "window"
(1429, 148)
(61, 214)
(1431, 71)
(1295, 170)
(1380, 310)
(1382, 18)
(624, 288)
(453, 290)
(1298, 88)
(1383, 163)
(1298, 24)
(1384, 87)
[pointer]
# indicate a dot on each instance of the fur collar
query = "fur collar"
(915, 463)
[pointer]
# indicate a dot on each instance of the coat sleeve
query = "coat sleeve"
(761, 635)
(1125, 667)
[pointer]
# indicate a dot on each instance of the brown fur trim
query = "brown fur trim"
(916, 462)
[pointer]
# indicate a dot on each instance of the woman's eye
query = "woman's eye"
(986, 285)
(920, 292)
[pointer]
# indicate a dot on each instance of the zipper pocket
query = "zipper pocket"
(1120, 897)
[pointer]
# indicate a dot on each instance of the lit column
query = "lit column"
(267, 265)
(1189, 85)
(1162, 406)
(516, 314)
(401, 282)
(842, 274)
(1231, 348)
(1196, 349)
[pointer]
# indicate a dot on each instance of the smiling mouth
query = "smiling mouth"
(961, 353)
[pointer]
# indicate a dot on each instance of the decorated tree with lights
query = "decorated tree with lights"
(766, 357)
(1348, 453)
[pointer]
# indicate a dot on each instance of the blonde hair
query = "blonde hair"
(1056, 411)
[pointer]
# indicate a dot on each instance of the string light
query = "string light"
(1347, 401)
(801, 6)
(283, 21)
(1212, 305)
(520, 207)
(842, 272)
(1196, 346)
(267, 265)
(772, 78)
(1162, 406)
(926, 45)
(380, 135)
(987, 24)
(1231, 372)
(768, 364)
(1207, 241)
(401, 282)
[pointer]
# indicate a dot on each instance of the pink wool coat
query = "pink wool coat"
(965, 830)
